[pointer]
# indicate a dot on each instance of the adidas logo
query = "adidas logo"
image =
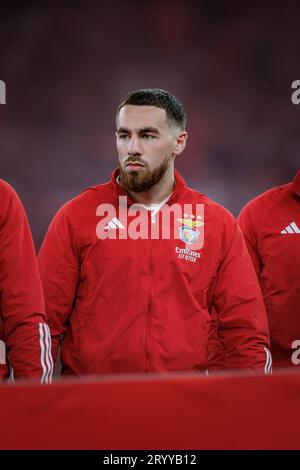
(114, 223)
(291, 228)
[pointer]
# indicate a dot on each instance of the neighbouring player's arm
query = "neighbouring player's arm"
(59, 269)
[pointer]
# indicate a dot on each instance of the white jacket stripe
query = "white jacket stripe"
(48, 358)
(43, 352)
(49, 352)
(268, 363)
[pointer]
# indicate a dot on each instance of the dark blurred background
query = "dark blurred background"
(67, 65)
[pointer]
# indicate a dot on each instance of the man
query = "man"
(25, 343)
(133, 293)
(271, 226)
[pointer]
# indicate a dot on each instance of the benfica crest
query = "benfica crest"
(188, 232)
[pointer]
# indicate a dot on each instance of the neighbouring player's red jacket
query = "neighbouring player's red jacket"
(271, 227)
(25, 342)
(120, 304)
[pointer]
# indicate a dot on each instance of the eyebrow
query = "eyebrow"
(143, 130)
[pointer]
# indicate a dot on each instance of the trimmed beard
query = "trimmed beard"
(140, 181)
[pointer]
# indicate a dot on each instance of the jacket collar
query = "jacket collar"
(296, 184)
(180, 186)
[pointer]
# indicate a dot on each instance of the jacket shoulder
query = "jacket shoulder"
(267, 200)
(6, 190)
(9, 199)
(100, 193)
(211, 207)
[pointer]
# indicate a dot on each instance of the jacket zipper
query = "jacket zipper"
(149, 306)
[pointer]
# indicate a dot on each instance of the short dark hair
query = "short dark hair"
(159, 98)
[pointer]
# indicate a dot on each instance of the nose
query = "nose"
(134, 147)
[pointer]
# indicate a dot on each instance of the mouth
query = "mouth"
(134, 166)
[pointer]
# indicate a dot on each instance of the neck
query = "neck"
(158, 192)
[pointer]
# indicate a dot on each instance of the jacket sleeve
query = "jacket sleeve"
(59, 269)
(242, 320)
(247, 225)
(25, 335)
(216, 351)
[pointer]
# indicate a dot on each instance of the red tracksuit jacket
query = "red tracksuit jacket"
(271, 226)
(138, 305)
(25, 340)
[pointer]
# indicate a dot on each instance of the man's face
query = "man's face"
(147, 145)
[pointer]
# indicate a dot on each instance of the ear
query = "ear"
(180, 143)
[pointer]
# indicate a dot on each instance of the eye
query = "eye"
(149, 137)
(123, 136)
